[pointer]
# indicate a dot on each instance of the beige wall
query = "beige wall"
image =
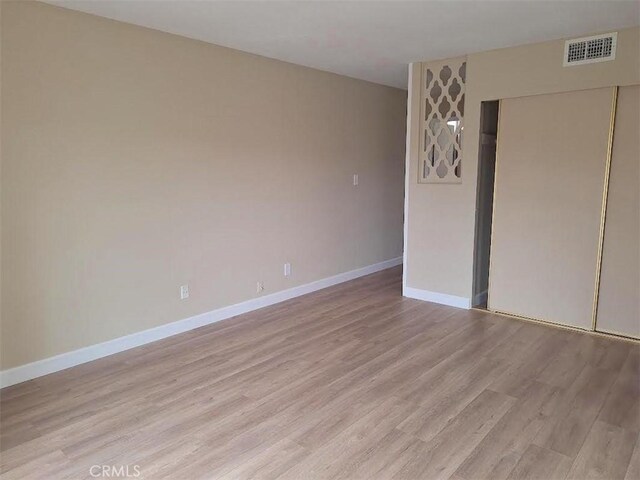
(134, 161)
(440, 230)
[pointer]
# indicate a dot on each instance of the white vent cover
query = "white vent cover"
(599, 48)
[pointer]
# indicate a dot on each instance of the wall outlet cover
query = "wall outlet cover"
(184, 292)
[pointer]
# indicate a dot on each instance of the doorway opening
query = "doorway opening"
(489, 113)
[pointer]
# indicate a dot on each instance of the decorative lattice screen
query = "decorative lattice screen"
(442, 96)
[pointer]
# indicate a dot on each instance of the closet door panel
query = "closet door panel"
(619, 300)
(550, 172)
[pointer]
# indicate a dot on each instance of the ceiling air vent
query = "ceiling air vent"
(599, 48)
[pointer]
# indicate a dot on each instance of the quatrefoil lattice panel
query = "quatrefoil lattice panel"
(442, 105)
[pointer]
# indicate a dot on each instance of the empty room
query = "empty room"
(320, 239)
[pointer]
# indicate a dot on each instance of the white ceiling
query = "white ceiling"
(364, 39)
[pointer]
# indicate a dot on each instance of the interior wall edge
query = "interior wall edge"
(413, 109)
(70, 359)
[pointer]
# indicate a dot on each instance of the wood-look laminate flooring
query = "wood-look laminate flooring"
(354, 381)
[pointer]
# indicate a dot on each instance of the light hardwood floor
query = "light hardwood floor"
(354, 381)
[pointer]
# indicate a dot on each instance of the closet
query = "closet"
(619, 299)
(565, 226)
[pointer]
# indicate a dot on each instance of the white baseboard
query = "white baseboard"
(93, 352)
(480, 298)
(435, 297)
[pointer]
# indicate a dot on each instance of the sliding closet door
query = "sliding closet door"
(619, 301)
(552, 152)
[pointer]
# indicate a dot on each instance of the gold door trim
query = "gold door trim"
(603, 213)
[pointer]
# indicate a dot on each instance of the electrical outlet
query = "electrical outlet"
(287, 269)
(184, 292)
(355, 180)
(259, 287)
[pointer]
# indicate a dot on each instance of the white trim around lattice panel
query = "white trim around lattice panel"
(442, 116)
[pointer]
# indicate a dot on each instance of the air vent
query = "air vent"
(599, 48)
